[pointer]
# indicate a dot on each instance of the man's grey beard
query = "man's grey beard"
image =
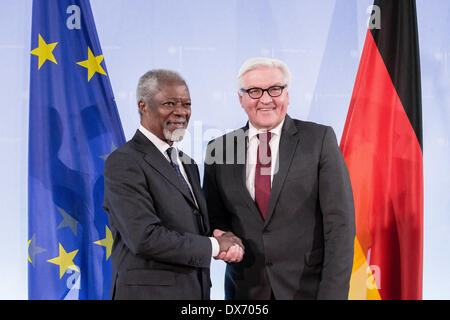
(175, 135)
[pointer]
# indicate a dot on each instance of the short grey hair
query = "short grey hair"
(153, 80)
(256, 63)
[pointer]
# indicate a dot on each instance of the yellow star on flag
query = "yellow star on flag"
(64, 260)
(29, 260)
(107, 242)
(44, 52)
(92, 64)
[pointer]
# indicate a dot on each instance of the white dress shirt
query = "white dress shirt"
(252, 152)
(162, 146)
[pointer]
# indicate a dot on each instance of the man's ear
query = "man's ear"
(142, 106)
(240, 98)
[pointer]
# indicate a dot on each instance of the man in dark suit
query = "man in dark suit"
(155, 204)
(282, 186)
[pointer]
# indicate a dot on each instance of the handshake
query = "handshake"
(231, 248)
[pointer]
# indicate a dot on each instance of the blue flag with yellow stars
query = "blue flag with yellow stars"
(74, 125)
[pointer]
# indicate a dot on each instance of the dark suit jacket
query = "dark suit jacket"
(158, 252)
(304, 248)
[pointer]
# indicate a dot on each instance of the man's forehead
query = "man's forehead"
(176, 91)
(264, 74)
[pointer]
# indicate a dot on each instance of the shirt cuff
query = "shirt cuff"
(215, 246)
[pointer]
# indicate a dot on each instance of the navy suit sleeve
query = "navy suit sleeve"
(336, 203)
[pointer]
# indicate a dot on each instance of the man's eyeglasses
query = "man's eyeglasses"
(256, 93)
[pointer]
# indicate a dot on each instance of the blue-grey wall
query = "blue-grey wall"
(207, 41)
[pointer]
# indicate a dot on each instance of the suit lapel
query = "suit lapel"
(191, 171)
(157, 160)
(188, 168)
(240, 161)
(194, 179)
(287, 148)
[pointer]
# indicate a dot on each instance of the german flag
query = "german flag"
(382, 146)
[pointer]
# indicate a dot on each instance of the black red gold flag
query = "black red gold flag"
(382, 146)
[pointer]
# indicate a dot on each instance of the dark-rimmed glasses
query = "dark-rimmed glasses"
(256, 93)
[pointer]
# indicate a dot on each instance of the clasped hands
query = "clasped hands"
(231, 247)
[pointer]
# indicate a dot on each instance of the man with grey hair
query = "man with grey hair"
(155, 205)
(287, 195)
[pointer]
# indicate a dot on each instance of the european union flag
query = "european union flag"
(74, 125)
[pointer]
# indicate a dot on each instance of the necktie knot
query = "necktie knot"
(264, 137)
(264, 156)
(172, 155)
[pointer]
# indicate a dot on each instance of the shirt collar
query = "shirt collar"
(252, 131)
(160, 144)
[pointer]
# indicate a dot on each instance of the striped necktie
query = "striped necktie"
(174, 163)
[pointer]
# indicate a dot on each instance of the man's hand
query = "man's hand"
(231, 247)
